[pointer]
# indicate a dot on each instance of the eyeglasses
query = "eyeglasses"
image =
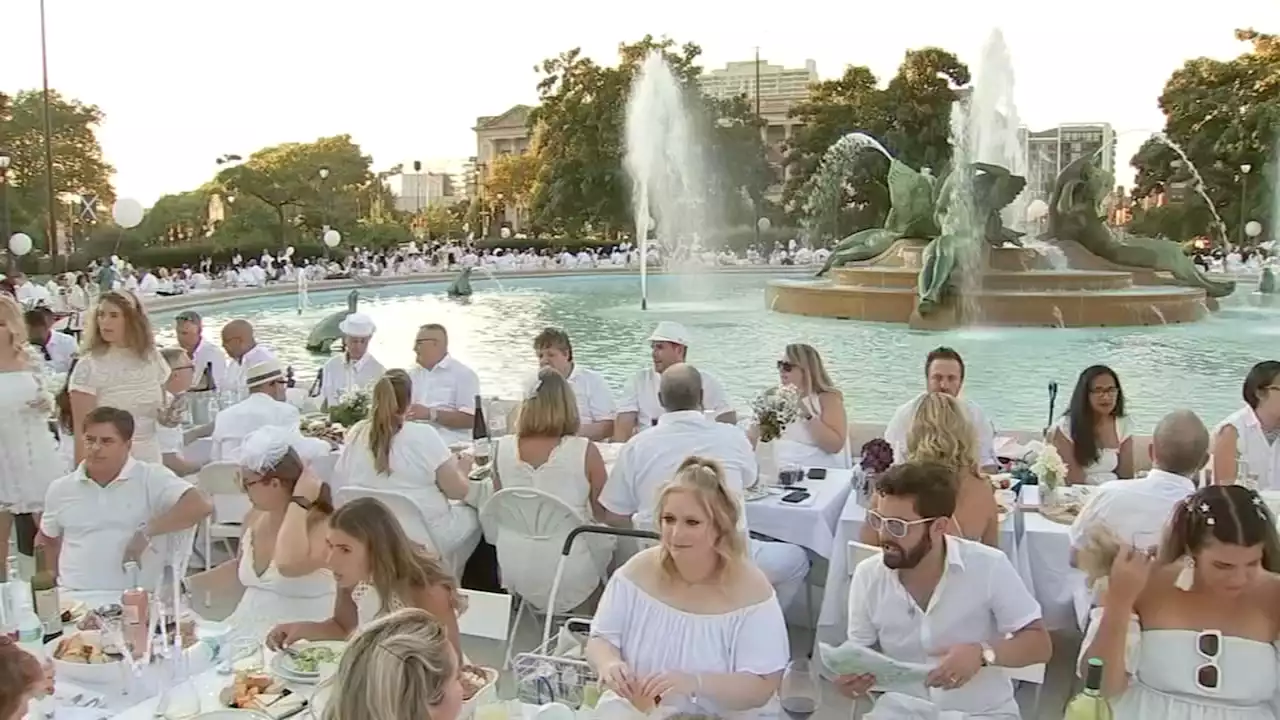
(1104, 391)
(786, 366)
(893, 527)
(1209, 647)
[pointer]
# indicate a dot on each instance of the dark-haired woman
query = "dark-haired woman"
(1251, 432)
(282, 562)
(1188, 634)
(1094, 435)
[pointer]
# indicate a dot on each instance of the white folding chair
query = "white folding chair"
(214, 479)
(198, 451)
(488, 615)
(1030, 674)
(405, 509)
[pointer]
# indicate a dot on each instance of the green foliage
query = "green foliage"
(78, 165)
(1223, 114)
(580, 130)
(911, 116)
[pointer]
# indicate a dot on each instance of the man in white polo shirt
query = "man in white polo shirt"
(649, 460)
(444, 390)
(596, 410)
(355, 368)
(243, 352)
(640, 407)
(209, 360)
(114, 509)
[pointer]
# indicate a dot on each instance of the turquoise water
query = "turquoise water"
(878, 366)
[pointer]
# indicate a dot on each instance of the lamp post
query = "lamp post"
(1244, 198)
(324, 175)
(4, 196)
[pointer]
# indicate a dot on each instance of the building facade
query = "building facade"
(419, 191)
(498, 135)
(1048, 152)
(775, 81)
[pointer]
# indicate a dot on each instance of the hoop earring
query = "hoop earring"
(1187, 575)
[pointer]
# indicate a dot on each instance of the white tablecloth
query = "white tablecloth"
(1040, 550)
(811, 524)
(208, 684)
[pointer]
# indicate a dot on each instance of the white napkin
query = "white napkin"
(894, 706)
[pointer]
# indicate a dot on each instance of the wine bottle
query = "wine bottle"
(44, 597)
(480, 434)
(136, 602)
(1089, 704)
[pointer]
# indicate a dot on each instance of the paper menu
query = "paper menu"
(891, 675)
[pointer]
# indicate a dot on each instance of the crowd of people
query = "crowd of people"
(99, 461)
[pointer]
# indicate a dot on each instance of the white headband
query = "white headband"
(263, 448)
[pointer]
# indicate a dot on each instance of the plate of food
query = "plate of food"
(308, 662)
(84, 656)
(475, 681)
(263, 694)
(751, 494)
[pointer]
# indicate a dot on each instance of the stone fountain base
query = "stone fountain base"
(1020, 287)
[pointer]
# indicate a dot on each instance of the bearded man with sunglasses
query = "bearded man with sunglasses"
(932, 598)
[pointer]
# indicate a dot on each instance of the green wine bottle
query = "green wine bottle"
(1089, 704)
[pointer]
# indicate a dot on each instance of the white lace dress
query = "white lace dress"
(29, 458)
(119, 378)
(369, 604)
(271, 598)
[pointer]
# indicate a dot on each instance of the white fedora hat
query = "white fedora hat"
(357, 325)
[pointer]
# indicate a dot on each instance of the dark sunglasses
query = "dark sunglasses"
(1209, 647)
(786, 366)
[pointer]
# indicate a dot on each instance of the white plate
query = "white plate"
(755, 493)
(282, 665)
(232, 714)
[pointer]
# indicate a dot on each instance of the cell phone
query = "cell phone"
(795, 496)
(816, 473)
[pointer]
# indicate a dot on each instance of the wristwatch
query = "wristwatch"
(988, 655)
(305, 504)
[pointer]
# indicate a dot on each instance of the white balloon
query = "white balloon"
(332, 238)
(1253, 228)
(764, 224)
(127, 212)
(288, 252)
(505, 232)
(1036, 210)
(20, 244)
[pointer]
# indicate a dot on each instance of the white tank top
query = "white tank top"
(563, 475)
(797, 446)
(1263, 457)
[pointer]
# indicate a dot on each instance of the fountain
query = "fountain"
(669, 178)
(1197, 184)
(946, 256)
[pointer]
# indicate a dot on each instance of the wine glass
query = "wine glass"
(799, 693)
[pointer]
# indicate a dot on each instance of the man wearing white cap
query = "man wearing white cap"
(640, 407)
(264, 406)
(355, 368)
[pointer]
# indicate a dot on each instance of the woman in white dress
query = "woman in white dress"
(377, 570)
(28, 452)
(387, 453)
(120, 367)
(820, 437)
(1251, 432)
(282, 565)
(692, 624)
(1190, 634)
(1094, 436)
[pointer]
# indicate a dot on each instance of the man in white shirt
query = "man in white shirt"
(27, 292)
(209, 360)
(650, 459)
(596, 410)
(243, 352)
(936, 599)
(355, 368)
(55, 348)
(264, 406)
(944, 373)
(444, 390)
(1135, 511)
(114, 509)
(640, 407)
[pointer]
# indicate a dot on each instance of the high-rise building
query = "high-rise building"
(1048, 152)
(421, 190)
(775, 81)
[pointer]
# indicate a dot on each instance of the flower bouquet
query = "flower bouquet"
(1049, 468)
(775, 409)
(351, 408)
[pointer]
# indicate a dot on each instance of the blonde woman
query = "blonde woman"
(546, 453)
(377, 570)
(820, 437)
(692, 624)
(29, 458)
(941, 434)
(120, 367)
(400, 667)
(386, 452)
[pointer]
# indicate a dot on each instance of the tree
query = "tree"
(513, 177)
(78, 164)
(288, 178)
(1222, 114)
(917, 103)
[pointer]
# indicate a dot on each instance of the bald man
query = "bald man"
(243, 351)
(1136, 511)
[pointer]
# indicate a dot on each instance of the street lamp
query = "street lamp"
(1244, 198)
(4, 195)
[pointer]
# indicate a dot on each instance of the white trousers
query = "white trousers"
(785, 565)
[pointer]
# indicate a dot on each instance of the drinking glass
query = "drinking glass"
(799, 692)
(245, 655)
(180, 699)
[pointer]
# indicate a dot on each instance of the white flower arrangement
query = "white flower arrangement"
(775, 409)
(1049, 468)
(352, 407)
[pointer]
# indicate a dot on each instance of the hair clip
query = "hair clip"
(1204, 508)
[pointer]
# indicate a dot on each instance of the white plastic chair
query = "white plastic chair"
(856, 553)
(488, 615)
(405, 509)
(528, 528)
(214, 479)
(199, 451)
(1030, 674)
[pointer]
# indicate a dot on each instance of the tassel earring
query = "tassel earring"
(1186, 576)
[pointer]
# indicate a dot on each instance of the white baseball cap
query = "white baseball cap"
(672, 332)
(357, 325)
